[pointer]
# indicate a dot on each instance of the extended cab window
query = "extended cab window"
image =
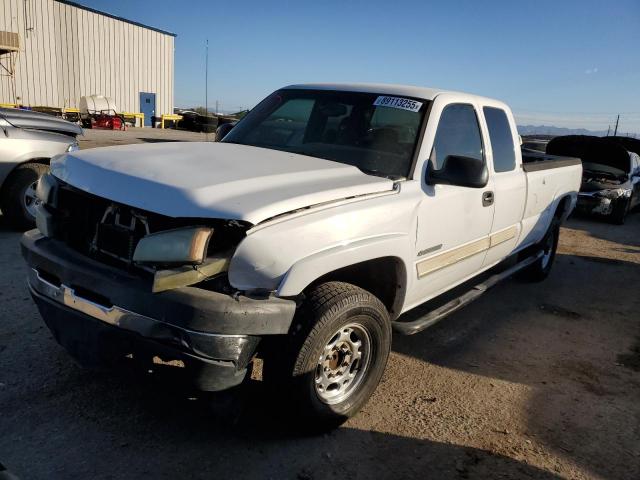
(375, 133)
(458, 134)
(504, 156)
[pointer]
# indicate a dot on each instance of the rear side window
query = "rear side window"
(458, 134)
(504, 156)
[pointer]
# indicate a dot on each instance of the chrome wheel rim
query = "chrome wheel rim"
(29, 200)
(548, 250)
(343, 363)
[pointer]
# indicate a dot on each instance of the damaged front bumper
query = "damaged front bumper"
(103, 315)
(602, 202)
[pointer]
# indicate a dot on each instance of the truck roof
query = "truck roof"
(425, 93)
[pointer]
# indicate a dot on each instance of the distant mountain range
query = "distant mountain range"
(555, 131)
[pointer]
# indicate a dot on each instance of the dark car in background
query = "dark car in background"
(196, 122)
(611, 173)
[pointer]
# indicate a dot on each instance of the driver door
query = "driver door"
(453, 222)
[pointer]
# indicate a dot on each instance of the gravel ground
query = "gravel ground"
(531, 381)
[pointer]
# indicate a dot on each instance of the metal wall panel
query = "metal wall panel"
(67, 52)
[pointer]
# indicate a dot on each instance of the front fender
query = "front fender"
(310, 268)
(289, 253)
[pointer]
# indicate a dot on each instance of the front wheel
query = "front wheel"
(335, 356)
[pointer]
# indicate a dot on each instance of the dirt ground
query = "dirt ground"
(531, 381)
(105, 138)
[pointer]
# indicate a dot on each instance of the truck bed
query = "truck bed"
(534, 160)
(549, 178)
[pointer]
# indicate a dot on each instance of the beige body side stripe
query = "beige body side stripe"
(503, 236)
(446, 259)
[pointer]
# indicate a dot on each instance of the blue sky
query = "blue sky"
(563, 63)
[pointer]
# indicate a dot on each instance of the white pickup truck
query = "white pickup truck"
(301, 238)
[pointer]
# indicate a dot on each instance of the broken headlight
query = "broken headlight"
(181, 246)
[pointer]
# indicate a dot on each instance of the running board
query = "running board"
(433, 317)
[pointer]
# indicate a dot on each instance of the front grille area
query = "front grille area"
(77, 217)
(109, 231)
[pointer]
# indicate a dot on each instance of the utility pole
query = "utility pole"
(615, 132)
(206, 85)
(608, 130)
(206, 79)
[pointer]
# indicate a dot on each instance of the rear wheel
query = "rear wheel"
(540, 269)
(19, 200)
(333, 360)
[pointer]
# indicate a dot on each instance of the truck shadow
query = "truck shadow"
(67, 422)
(5, 227)
(157, 140)
(566, 347)
(120, 428)
(60, 421)
(568, 342)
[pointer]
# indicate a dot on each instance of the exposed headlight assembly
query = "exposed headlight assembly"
(182, 246)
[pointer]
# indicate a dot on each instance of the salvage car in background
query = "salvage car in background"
(28, 141)
(610, 176)
(196, 122)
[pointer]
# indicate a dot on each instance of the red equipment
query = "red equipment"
(107, 121)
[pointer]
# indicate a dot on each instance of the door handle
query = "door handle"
(487, 199)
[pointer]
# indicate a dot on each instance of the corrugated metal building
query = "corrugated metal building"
(67, 50)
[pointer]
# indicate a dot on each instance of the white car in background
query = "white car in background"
(28, 141)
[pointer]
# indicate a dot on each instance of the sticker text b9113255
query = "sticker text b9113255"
(397, 102)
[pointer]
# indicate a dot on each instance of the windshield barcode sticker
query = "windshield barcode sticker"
(397, 102)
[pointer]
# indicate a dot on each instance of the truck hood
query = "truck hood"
(212, 180)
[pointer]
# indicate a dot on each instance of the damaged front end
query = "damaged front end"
(603, 202)
(605, 192)
(175, 252)
(113, 282)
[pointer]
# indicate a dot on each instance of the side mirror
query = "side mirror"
(460, 171)
(223, 130)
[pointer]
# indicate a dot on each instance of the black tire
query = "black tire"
(541, 268)
(293, 365)
(15, 186)
(620, 211)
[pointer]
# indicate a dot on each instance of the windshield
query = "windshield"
(375, 133)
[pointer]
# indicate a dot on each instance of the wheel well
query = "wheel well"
(562, 210)
(384, 277)
(43, 161)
